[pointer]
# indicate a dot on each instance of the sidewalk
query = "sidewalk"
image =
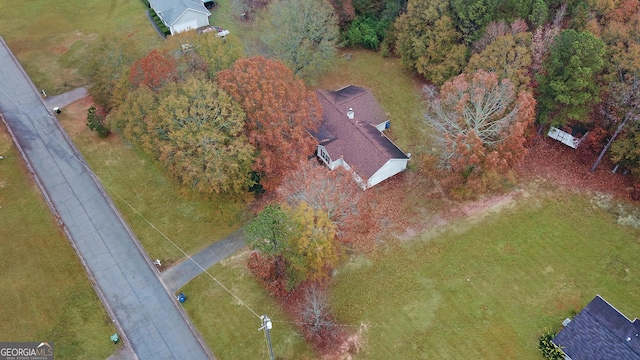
(181, 273)
(65, 99)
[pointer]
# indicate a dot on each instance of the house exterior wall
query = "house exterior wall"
(383, 125)
(392, 167)
(189, 20)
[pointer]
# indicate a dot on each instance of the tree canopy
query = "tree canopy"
(508, 55)
(154, 70)
(107, 68)
(205, 52)
(300, 239)
(480, 123)
(428, 42)
(333, 192)
(302, 34)
(195, 129)
(472, 15)
(280, 112)
(569, 85)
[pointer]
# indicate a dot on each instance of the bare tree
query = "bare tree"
(334, 192)
(316, 314)
(630, 97)
(475, 114)
(302, 34)
(543, 39)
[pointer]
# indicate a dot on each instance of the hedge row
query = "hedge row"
(159, 24)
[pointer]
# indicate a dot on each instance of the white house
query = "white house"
(181, 15)
(351, 135)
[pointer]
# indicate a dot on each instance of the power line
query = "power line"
(35, 126)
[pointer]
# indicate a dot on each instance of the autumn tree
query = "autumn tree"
(498, 29)
(313, 249)
(269, 233)
(300, 240)
(480, 123)
(129, 118)
(153, 70)
(196, 131)
(508, 55)
(544, 38)
(333, 192)
(428, 42)
(302, 34)
(280, 112)
(106, 68)
(569, 85)
(344, 11)
(626, 150)
(622, 39)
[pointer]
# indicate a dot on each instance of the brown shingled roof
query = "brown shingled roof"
(357, 141)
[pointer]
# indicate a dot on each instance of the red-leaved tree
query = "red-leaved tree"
(481, 124)
(333, 192)
(154, 70)
(280, 113)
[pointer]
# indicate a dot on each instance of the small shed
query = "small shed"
(564, 137)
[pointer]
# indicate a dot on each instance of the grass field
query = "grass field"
(230, 329)
(489, 291)
(50, 38)
(130, 178)
(46, 295)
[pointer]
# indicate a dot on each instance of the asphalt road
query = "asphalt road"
(146, 313)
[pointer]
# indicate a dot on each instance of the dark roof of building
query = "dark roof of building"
(600, 331)
(357, 141)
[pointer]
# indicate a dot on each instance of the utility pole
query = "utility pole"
(266, 326)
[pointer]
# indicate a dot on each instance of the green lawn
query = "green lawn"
(487, 292)
(135, 181)
(46, 295)
(50, 38)
(229, 328)
(223, 16)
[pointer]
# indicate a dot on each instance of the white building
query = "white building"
(181, 15)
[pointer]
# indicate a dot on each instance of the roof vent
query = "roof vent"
(351, 114)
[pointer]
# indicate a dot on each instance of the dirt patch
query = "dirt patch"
(59, 50)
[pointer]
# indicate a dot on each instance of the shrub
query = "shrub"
(95, 123)
(270, 273)
(366, 31)
(548, 349)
